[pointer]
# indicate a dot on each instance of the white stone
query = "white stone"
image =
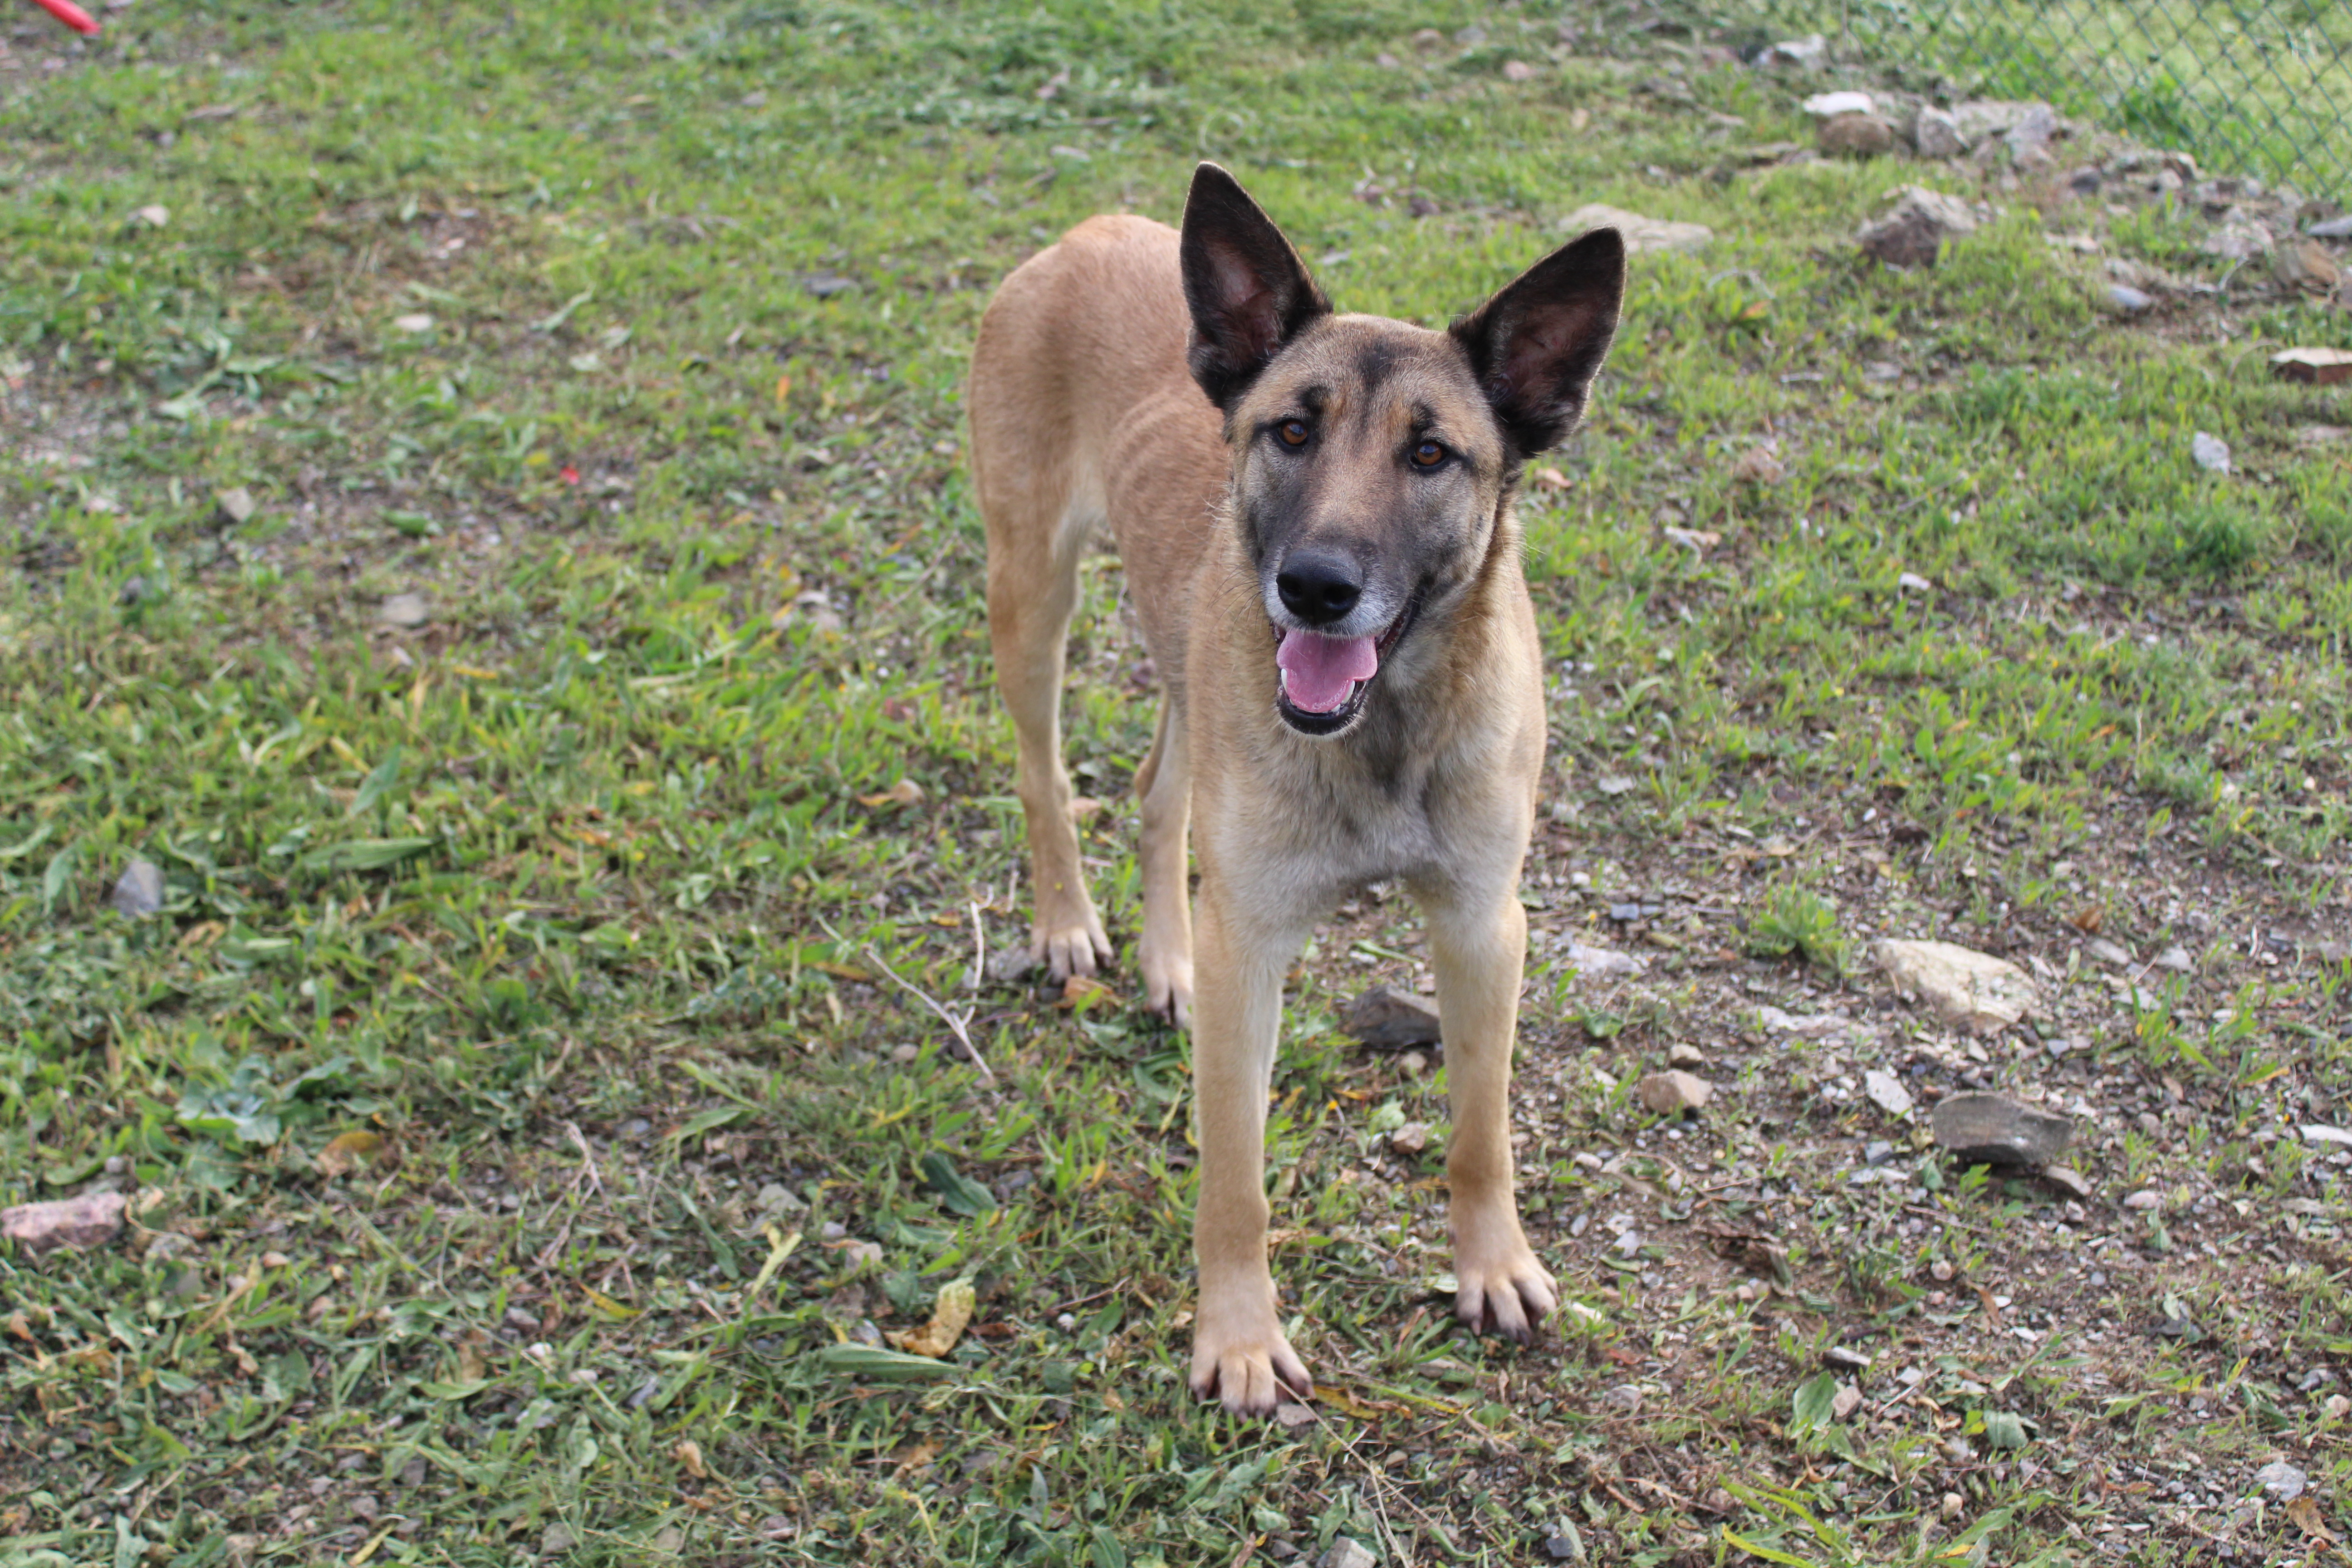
(1967, 989)
(1829, 105)
(1640, 234)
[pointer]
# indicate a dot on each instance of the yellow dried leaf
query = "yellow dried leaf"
(949, 1315)
(2304, 1511)
(689, 1453)
(905, 791)
(348, 1150)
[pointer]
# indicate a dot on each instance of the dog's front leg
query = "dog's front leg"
(1239, 1353)
(1478, 947)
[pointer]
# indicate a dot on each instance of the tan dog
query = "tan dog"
(1325, 557)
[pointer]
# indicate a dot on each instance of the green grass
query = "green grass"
(527, 1066)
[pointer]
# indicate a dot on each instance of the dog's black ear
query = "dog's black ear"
(1538, 344)
(1249, 290)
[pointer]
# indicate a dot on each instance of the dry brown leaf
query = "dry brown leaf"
(1761, 465)
(2304, 1511)
(689, 1453)
(1550, 479)
(949, 1315)
(1084, 808)
(1080, 991)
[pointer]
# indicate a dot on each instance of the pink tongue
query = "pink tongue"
(1321, 670)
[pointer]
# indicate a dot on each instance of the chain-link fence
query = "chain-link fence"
(2247, 86)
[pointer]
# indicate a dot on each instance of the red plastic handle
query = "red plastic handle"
(71, 15)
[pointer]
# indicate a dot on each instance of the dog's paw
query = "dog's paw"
(1240, 1356)
(1070, 944)
(1506, 1291)
(1168, 989)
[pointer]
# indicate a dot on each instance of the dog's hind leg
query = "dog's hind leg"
(1032, 587)
(1164, 785)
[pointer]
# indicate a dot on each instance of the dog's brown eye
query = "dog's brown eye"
(1293, 432)
(1428, 455)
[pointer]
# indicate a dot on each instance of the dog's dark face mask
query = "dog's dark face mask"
(1372, 459)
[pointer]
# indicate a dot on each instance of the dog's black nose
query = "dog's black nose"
(1318, 588)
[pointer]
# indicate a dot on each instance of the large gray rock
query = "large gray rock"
(1967, 990)
(1917, 228)
(1347, 1554)
(1994, 1129)
(1665, 1094)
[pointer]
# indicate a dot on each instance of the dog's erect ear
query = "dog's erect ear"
(1538, 344)
(1248, 291)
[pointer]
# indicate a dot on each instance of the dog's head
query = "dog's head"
(1372, 459)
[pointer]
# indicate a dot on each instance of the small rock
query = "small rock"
(2176, 958)
(1409, 1138)
(235, 506)
(1347, 1554)
(1887, 1091)
(2143, 1201)
(1518, 71)
(403, 610)
(1857, 136)
(2106, 951)
(1625, 1397)
(140, 891)
(1917, 228)
(1698, 539)
(2085, 181)
(2236, 240)
(1585, 959)
(1563, 1548)
(77, 1224)
(2068, 1180)
(1967, 989)
(1413, 1064)
(556, 1540)
(1846, 1357)
(1640, 234)
(1952, 1503)
(1835, 105)
(1912, 583)
(2281, 1480)
(1665, 1094)
(1936, 134)
(1805, 52)
(2029, 139)
(2306, 264)
(2313, 1132)
(2211, 453)
(1291, 1417)
(1845, 1402)
(1877, 1152)
(1992, 117)
(152, 216)
(1388, 1019)
(1626, 915)
(1683, 1054)
(412, 323)
(1010, 965)
(1994, 1129)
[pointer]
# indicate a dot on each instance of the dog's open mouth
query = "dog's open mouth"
(1324, 678)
